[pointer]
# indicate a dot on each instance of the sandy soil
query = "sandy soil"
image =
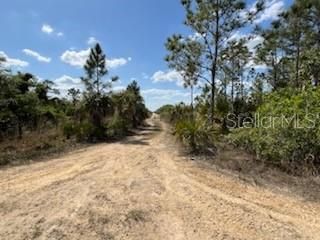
(142, 188)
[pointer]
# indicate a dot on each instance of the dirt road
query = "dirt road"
(142, 188)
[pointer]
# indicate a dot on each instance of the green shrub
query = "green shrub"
(117, 128)
(195, 136)
(69, 130)
(292, 144)
(84, 132)
(165, 112)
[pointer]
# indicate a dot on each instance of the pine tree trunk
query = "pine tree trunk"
(316, 79)
(192, 107)
(20, 130)
(214, 65)
(298, 65)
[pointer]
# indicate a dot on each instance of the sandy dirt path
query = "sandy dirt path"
(141, 188)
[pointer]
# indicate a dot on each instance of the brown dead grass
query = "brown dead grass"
(34, 146)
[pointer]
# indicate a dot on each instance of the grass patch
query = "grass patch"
(33, 146)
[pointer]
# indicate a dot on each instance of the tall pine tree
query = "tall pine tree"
(95, 69)
(98, 102)
(213, 22)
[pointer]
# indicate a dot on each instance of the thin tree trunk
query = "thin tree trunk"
(232, 93)
(225, 90)
(214, 65)
(275, 67)
(298, 67)
(192, 107)
(19, 130)
(316, 79)
(212, 96)
(98, 82)
(232, 84)
(241, 85)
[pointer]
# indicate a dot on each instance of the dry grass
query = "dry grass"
(248, 169)
(32, 146)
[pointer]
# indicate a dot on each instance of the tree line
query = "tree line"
(94, 114)
(217, 59)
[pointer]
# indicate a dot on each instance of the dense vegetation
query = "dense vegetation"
(236, 94)
(264, 98)
(31, 108)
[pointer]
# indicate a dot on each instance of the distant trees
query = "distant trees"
(44, 89)
(25, 103)
(74, 94)
(28, 104)
(234, 60)
(129, 109)
(139, 110)
(215, 55)
(105, 114)
(185, 57)
(291, 47)
(269, 53)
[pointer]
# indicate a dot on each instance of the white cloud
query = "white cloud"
(118, 88)
(12, 62)
(254, 41)
(117, 62)
(164, 94)
(195, 37)
(155, 98)
(79, 58)
(36, 55)
(236, 36)
(46, 28)
(168, 76)
(74, 58)
(271, 12)
(65, 82)
(92, 40)
(252, 64)
(39, 78)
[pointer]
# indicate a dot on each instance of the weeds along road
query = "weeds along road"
(141, 188)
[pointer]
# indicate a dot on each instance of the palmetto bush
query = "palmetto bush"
(195, 135)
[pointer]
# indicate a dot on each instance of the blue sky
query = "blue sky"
(51, 38)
